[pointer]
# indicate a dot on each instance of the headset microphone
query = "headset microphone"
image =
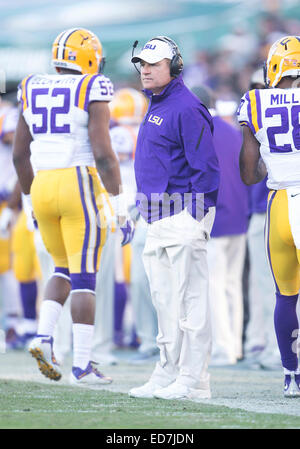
(133, 48)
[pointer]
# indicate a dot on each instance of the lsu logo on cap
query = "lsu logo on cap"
(149, 47)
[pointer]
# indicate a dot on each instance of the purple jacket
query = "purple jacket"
(175, 156)
(232, 210)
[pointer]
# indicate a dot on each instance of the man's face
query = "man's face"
(155, 76)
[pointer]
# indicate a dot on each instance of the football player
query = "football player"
(61, 147)
(271, 144)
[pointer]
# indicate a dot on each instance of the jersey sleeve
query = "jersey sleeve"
(249, 111)
(102, 89)
(93, 88)
(242, 112)
(22, 93)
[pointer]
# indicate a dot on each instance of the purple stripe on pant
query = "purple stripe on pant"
(268, 238)
(87, 222)
(98, 239)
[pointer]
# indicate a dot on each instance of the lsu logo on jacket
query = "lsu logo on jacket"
(155, 119)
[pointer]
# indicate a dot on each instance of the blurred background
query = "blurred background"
(222, 42)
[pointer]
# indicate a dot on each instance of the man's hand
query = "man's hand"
(124, 221)
(27, 206)
(127, 227)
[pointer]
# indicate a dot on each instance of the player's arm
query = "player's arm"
(106, 160)
(15, 199)
(252, 167)
(21, 155)
(108, 165)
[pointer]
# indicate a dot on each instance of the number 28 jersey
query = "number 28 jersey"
(55, 108)
(273, 115)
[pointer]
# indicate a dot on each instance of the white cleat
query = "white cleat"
(145, 391)
(41, 348)
(88, 376)
(291, 387)
(179, 391)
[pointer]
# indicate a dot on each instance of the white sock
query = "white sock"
(49, 314)
(290, 373)
(82, 344)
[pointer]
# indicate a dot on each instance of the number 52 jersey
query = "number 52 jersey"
(273, 115)
(55, 108)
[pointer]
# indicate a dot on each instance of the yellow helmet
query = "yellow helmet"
(128, 106)
(78, 49)
(283, 60)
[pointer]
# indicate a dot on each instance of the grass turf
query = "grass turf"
(28, 405)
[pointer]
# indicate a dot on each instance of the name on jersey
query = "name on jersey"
(61, 80)
(283, 98)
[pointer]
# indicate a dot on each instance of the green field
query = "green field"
(242, 398)
(38, 406)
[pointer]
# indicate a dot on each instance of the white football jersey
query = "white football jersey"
(273, 115)
(55, 108)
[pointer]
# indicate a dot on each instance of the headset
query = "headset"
(265, 69)
(176, 65)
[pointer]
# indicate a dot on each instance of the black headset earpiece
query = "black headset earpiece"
(101, 65)
(176, 65)
(132, 54)
(265, 74)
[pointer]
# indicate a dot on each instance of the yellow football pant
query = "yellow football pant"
(283, 256)
(68, 207)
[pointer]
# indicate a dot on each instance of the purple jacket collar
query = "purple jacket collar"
(173, 84)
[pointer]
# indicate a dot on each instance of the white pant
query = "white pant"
(176, 266)
(226, 257)
(144, 313)
(260, 329)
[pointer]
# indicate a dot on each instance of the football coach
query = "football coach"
(177, 176)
